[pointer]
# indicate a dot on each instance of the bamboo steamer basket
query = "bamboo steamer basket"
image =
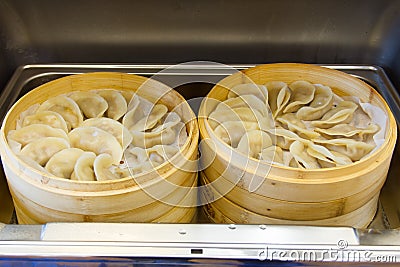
(228, 212)
(169, 189)
(292, 194)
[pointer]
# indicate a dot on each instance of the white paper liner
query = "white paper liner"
(377, 116)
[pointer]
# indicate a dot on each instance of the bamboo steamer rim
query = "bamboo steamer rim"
(190, 143)
(390, 135)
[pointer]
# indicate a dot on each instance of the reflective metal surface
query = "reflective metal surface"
(200, 240)
(173, 31)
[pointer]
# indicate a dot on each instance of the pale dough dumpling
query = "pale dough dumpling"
(102, 169)
(162, 153)
(113, 127)
(34, 164)
(135, 155)
(91, 104)
(138, 109)
(298, 150)
(238, 114)
(117, 105)
(43, 149)
(157, 136)
(272, 154)
(343, 113)
(47, 117)
(259, 91)
(302, 93)
(169, 120)
(253, 142)
(96, 140)
(232, 131)
(83, 169)
(347, 130)
(294, 124)
(151, 119)
(278, 96)
(284, 138)
(247, 101)
(355, 150)
(321, 153)
(34, 132)
(62, 163)
(322, 102)
(66, 107)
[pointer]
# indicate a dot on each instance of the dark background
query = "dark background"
(175, 31)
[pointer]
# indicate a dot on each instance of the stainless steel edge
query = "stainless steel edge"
(213, 241)
(198, 233)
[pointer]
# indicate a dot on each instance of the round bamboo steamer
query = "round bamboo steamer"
(367, 213)
(292, 193)
(286, 210)
(40, 198)
(223, 210)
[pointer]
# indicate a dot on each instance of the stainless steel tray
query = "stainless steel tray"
(194, 80)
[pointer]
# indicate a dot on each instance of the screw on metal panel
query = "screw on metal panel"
(263, 227)
(182, 232)
(232, 226)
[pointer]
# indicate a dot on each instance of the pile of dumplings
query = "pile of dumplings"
(300, 125)
(97, 135)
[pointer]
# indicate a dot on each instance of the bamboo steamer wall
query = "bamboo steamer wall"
(166, 194)
(345, 195)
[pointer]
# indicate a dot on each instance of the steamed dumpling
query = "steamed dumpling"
(151, 119)
(343, 113)
(113, 127)
(47, 117)
(138, 110)
(157, 136)
(347, 130)
(34, 132)
(259, 91)
(28, 112)
(161, 153)
(96, 140)
(246, 101)
(66, 107)
(91, 104)
(355, 150)
(237, 114)
(143, 167)
(34, 164)
(284, 138)
(169, 120)
(302, 94)
(83, 169)
(322, 102)
(253, 142)
(294, 124)
(278, 96)
(101, 168)
(117, 105)
(232, 131)
(298, 150)
(323, 154)
(135, 155)
(62, 163)
(41, 150)
(273, 154)
(301, 112)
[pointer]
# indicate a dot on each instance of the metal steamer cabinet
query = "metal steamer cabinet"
(35, 35)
